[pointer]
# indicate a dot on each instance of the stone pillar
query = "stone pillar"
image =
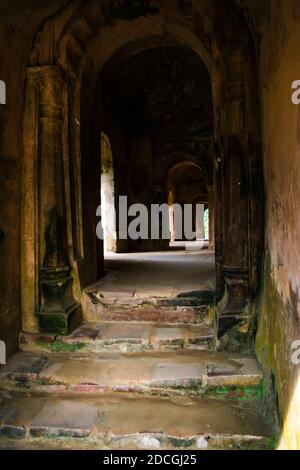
(235, 236)
(29, 216)
(218, 220)
(211, 208)
(57, 311)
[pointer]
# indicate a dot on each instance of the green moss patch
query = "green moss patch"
(59, 346)
(238, 393)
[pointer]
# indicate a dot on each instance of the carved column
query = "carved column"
(235, 197)
(211, 208)
(57, 310)
(29, 226)
(218, 228)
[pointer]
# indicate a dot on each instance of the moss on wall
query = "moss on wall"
(278, 328)
(279, 320)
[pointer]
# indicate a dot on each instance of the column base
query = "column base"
(235, 333)
(61, 323)
(236, 295)
(234, 319)
(59, 314)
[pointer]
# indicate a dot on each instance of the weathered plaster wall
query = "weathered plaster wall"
(279, 323)
(18, 22)
(10, 150)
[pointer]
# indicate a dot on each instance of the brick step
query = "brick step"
(152, 373)
(125, 306)
(124, 337)
(114, 422)
(145, 313)
(116, 295)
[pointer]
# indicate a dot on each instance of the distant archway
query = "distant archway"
(108, 208)
(187, 185)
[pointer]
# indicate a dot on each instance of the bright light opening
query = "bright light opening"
(2, 92)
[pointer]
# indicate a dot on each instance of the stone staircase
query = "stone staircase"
(125, 337)
(108, 303)
(133, 384)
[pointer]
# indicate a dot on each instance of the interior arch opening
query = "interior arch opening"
(156, 106)
(108, 212)
(164, 95)
(188, 186)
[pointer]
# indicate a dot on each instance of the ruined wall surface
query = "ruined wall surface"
(10, 150)
(18, 23)
(279, 323)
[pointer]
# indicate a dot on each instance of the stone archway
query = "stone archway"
(67, 57)
(187, 184)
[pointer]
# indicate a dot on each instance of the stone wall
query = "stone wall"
(279, 323)
(10, 150)
(18, 23)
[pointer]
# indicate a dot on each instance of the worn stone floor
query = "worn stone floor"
(150, 377)
(158, 274)
(149, 372)
(160, 287)
(130, 422)
(125, 336)
(160, 399)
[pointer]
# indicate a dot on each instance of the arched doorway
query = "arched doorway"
(64, 114)
(187, 184)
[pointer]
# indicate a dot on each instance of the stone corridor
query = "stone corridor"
(158, 274)
(127, 326)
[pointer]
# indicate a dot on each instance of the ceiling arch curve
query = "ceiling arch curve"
(85, 35)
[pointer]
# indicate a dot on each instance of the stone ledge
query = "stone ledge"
(188, 372)
(135, 423)
(124, 337)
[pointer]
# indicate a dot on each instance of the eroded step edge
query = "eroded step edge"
(108, 422)
(211, 374)
(123, 337)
